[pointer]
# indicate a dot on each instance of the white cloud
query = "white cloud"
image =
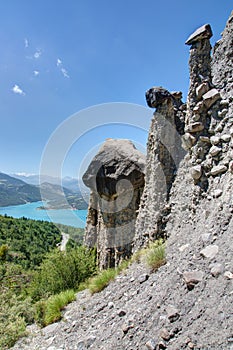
(36, 72)
(62, 69)
(37, 54)
(64, 72)
(26, 43)
(59, 62)
(17, 90)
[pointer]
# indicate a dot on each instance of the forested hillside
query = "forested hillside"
(27, 241)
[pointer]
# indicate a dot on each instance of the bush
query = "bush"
(49, 311)
(155, 255)
(63, 270)
(100, 281)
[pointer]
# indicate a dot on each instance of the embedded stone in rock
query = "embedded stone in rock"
(210, 251)
(196, 172)
(231, 166)
(218, 169)
(195, 127)
(164, 334)
(204, 32)
(216, 269)
(156, 96)
(214, 140)
(226, 138)
(211, 97)
(172, 313)
(217, 193)
(201, 90)
(191, 278)
(199, 108)
(214, 150)
(152, 344)
(177, 94)
(143, 278)
(188, 141)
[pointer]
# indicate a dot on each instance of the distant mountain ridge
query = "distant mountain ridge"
(15, 191)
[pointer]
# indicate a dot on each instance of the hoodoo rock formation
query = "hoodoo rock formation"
(116, 179)
(188, 199)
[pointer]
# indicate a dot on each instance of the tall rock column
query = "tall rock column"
(116, 179)
(164, 153)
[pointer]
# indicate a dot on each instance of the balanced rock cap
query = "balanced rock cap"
(204, 32)
(156, 95)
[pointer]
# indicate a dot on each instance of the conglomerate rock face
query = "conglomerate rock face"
(116, 179)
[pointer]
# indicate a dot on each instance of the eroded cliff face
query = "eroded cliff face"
(116, 179)
(207, 140)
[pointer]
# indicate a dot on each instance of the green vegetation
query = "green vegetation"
(35, 275)
(25, 242)
(37, 280)
(76, 235)
(61, 271)
(100, 281)
(49, 311)
(155, 255)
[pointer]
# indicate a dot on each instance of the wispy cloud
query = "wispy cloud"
(36, 72)
(37, 54)
(17, 90)
(62, 69)
(26, 43)
(65, 73)
(59, 62)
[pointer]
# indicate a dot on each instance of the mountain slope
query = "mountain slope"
(14, 191)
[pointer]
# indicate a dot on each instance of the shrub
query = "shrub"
(154, 256)
(100, 281)
(63, 270)
(49, 311)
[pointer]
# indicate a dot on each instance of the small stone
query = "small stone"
(161, 345)
(231, 132)
(201, 33)
(177, 94)
(151, 344)
(143, 278)
(216, 269)
(196, 172)
(226, 138)
(217, 193)
(121, 313)
(201, 90)
(204, 139)
(191, 345)
(224, 103)
(206, 237)
(231, 166)
(191, 278)
(214, 150)
(228, 275)
(210, 251)
(214, 140)
(222, 113)
(195, 127)
(172, 313)
(219, 128)
(188, 140)
(218, 169)
(164, 334)
(199, 108)
(183, 247)
(211, 97)
(110, 305)
(127, 326)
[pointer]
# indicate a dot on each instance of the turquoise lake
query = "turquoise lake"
(76, 218)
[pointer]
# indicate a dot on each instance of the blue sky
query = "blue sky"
(60, 57)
